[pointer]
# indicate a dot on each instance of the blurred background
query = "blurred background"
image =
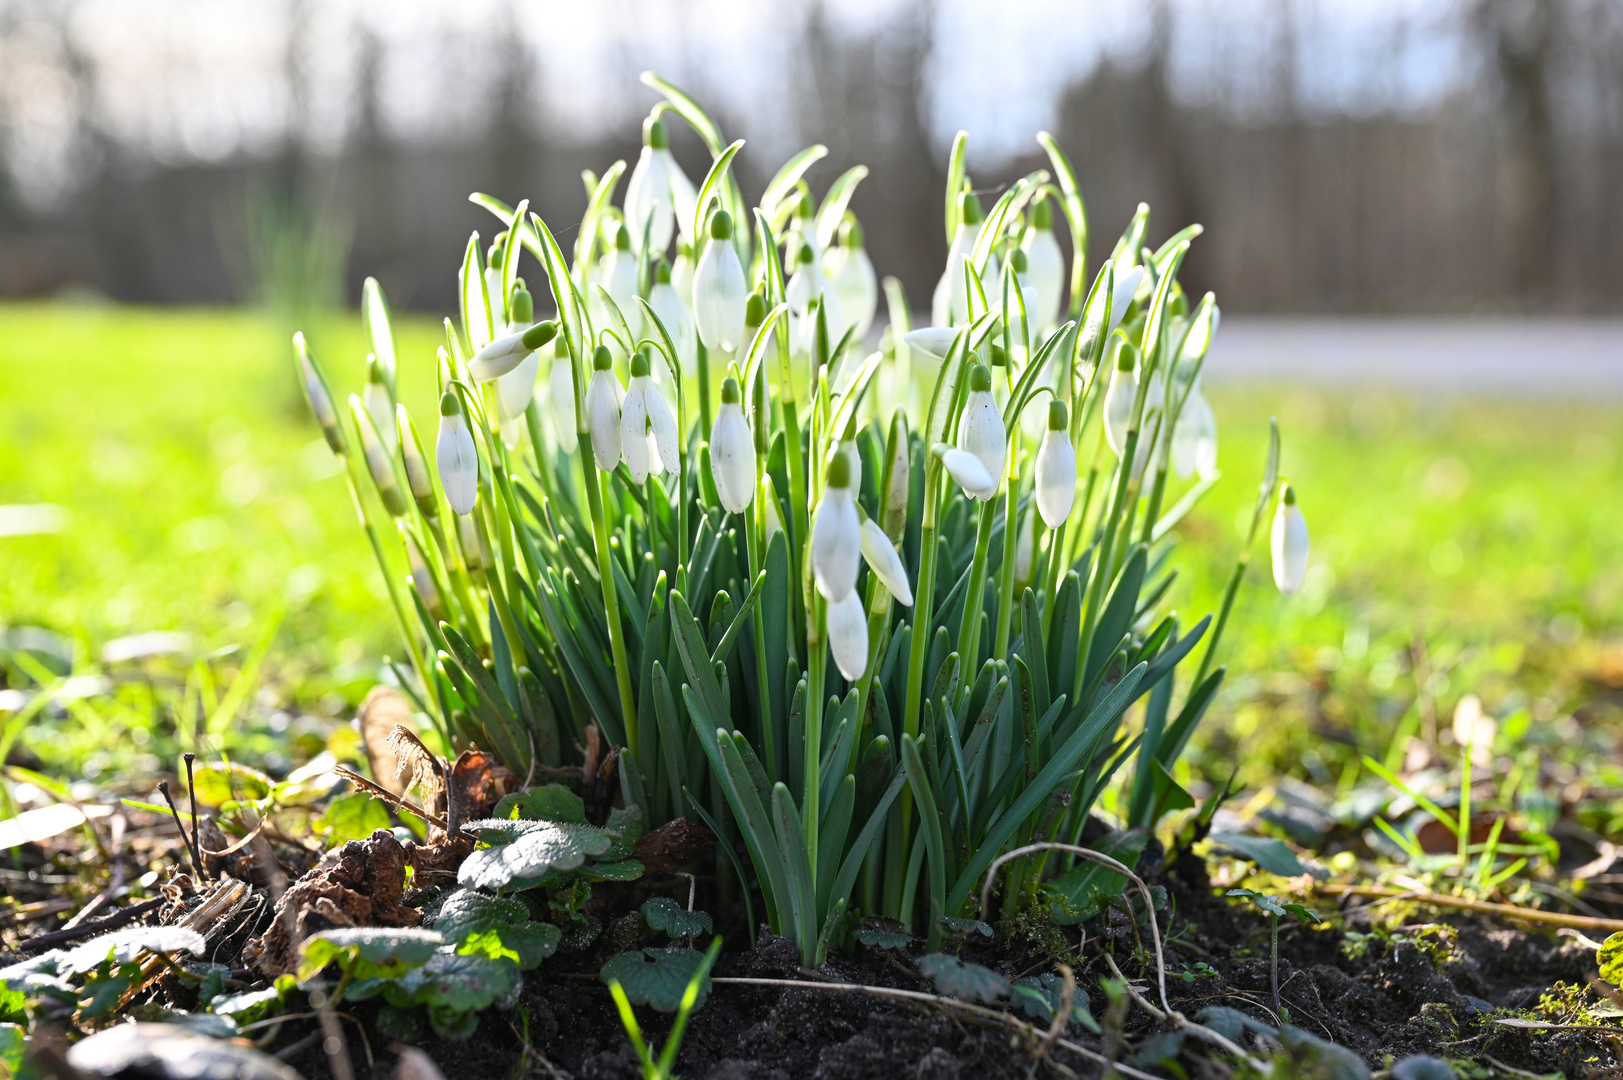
(1413, 214)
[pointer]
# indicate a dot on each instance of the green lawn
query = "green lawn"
(199, 497)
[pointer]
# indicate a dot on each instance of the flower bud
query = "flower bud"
(981, 431)
(1120, 397)
(379, 402)
(456, 456)
(719, 289)
(379, 462)
(320, 399)
(673, 315)
(851, 272)
(836, 534)
(561, 401)
(603, 398)
(897, 490)
(508, 351)
(882, 558)
(1056, 468)
(411, 453)
(968, 471)
(423, 581)
(732, 451)
(1289, 543)
(1046, 266)
(847, 623)
(649, 200)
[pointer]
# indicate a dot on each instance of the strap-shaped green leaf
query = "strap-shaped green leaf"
(797, 862)
(1076, 216)
(1117, 617)
(832, 832)
(1034, 650)
(835, 201)
(701, 205)
(930, 826)
(781, 184)
(695, 656)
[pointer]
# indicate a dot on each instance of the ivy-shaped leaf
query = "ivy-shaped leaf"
(663, 913)
(883, 939)
(351, 817)
(524, 853)
(454, 987)
(965, 926)
(1040, 996)
(253, 1005)
(625, 829)
(104, 990)
(629, 870)
(657, 977)
(1270, 854)
(367, 952)
(467, 913)
(959, 979)
(123, 946)
(1609, 957)
(550, 802)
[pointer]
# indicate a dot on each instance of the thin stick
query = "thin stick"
(85, 929)
(1222, 1042)
(191, 850)
(191, 797)
(1551, 918)
(390, 797)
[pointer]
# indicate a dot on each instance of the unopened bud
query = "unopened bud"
(316, 393)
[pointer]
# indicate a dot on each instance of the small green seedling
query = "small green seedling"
(1275, 908)
(661, 1069)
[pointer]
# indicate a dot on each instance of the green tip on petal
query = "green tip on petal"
(654, 133)
(541, 333)
(622, 238)
(602, 359)
(839, 471)
(523, 305)
(662, 273)
(449, 405)
(374, 370)
(1000, 356)
(729, 391)
(1289, 495)
(754, 310)
(804, 256)
(639, 363)
(852, 235)
(1018, 261)
(1042, 215)
(721, 225)
(980, 378)
(807, 209)
(1126, 358)
(969, 207)
(493, 257)
(1059, 417)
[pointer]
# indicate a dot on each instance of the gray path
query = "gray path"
(1492, 355)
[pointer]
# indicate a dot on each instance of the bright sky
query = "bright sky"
(208, 79)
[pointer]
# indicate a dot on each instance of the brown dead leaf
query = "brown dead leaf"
(672, 846)
(384, 710)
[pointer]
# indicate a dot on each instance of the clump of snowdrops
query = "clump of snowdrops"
(667, 506)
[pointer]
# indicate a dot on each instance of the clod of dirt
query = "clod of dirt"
(170, 1052)
(360, 884)
(672, 846)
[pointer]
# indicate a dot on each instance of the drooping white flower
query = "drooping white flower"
(561, 401)
(837, 534)
(853, 457)
(1119, 399)
(881, 556)
(1194, 440)
(981, 431)
(934, 342)
(411, 455)
(1056, 468)
(719, 290)
(732, 451)
(682, 272)
(514, 389)
(620, 280)
(456, 456)
(1289, 543)
(847, 622)
(603, 397)
(1046, 265)
(673, 314)
(315, 391)
(662, 427)
(379, 461)
(379, 405)
(1128, 279)
(851, 272)
(947, 303)
(806, 285)
(637, 446)
(508, 351)
(649, 201)
(969, 472)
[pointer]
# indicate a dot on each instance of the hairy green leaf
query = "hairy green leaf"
(657, 977)
(960, 979)
(663, 913)
(523, 852)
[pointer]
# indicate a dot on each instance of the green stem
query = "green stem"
(755, 538)
(1273, 957)
(816, 664)
(1099, 578)
(704, 391)
(969, 630)
(1229, 594)
(611, 602)
(923, 599)
(1005, 588)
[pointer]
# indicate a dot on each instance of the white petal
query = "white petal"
(886, 564)
(732, 458)
(719, 296)
(683, 196)
(561, 404)
(933, 341)
(1289, 547)
(836, 544)
(1127, 283)
(458, 463)
(498, 358)
(514, 390)
(1056, 478)
(852, 275)
(847, 623)
(662, 428)
(970, 473)
(634, 431)
(981, 432)
(673, 314)
(603, 417)
(1025, 546)
(648, 198)
(620, 279)
(1119, 401)
(1046, 265)
(381, 409)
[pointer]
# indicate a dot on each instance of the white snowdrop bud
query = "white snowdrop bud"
(808, 286)
(673, 314)
(1025, 546)
(732, 451)
(981, 431)
(881, 556)
(1128, 280)
(847, 622)
(837, 534)
(719, 291)
(1119, 399)
(456, 456)
(851, 272)
(316, 392)
(379, 462)
(603, 396)
(379, 405)
(648, 192)
(508, 351)
(947, 304)
(1056, 468)
(637, 447)
(1046, 265)
(620, 279)
(969, 472)
(661, 427)
(1194, 440)
(411, 454)
(422, 580)
(682, 272)
(1289, 543)
(561, 401)
(514, 390)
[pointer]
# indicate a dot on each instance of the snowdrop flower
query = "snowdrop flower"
(933, 341)
(837, 534)
(456, 456)
(411, 454)
(422, 580)
(1025, 546)
(851, 273)
(1046, 265)
(673, 313)
(561, 400)
(1056, 468)
(647, 428)
(474, 544)
(1019, 273)
(853, 458)
(682, 272)
(847, 622)
(969, 472)
(379, 461)
(981, 431)
(1289, 543)
(719, 290)
(620, 280)
(379, 405)
(1128, 279)
(805, 224)
(1119, 398)
(947, 304)
(315, 391)
(732, 451)
(807, 284)
(1194, 440)
(603, 397)
(658, 192)
(508, 351)
(881, 556)
(514, 390)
